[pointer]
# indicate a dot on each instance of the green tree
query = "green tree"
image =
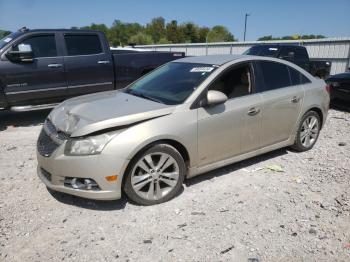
(290, 37)
(203, 33)
(159, 32)
(172, 32)
(120, 33)
(141, 39)
(4, 33)
(220, 33)
(98, 27)
(156, 29)
(190, 32)
(164, 41)
(266, 38)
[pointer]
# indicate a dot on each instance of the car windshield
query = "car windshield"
(262, 50)
(7, 39)
(172, 83)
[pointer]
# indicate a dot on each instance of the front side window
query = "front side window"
(42, 45)
(172, 83)
(234, 82)
(275, 75)
(82, 44)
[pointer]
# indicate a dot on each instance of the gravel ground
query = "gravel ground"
(243, 212)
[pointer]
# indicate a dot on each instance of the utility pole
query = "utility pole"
(245, 25)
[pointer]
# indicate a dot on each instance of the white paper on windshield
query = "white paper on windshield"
(7, 39)
(202, 69)
(273, 49)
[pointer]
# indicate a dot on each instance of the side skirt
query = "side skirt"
(195, 171)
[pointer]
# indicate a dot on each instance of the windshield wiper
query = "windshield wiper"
(132, 92)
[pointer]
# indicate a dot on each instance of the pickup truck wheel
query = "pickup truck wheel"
(155, 176)
(308, 131)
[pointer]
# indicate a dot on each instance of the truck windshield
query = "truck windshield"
(8, 39)
(262, 50)
(172, 83)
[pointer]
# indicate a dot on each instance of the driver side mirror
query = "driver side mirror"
(214, 98)
(24, 54)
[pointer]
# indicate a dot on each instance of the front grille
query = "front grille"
(46, 146)
(50, 139)
(50, 128)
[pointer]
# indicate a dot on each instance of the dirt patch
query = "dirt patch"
(281, 206)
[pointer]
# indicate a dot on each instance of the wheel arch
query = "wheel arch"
(318, 111)
(172, 142)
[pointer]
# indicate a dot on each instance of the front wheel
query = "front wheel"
(155, 176)
(308, 131)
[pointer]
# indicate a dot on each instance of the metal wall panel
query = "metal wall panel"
(336, 50)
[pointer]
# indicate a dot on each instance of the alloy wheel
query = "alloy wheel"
(155, 175)
(309, 131)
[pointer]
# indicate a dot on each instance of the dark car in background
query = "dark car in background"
(339, 86)
(39, 68)
(295, 54)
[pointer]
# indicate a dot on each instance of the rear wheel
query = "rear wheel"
(155, 176)
(308, 131)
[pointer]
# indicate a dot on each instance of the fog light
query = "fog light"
(81, 183)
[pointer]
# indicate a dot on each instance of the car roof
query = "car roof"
(279, 45)
(58, 30)
(210, 59)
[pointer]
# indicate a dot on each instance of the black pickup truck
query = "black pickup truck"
(39, 68)
(295, 54)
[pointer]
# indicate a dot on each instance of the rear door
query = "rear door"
(88, 64)
(232, 128)
(37, 81)
(283, 95)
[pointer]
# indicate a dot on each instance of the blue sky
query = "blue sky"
(279, 17)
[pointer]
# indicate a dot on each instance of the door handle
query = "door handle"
(253, 111)
(295, 99)
(54, 65)
(103, 62)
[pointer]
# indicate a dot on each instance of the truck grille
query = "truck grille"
(49, 139)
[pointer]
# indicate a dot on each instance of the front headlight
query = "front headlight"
(90, 145)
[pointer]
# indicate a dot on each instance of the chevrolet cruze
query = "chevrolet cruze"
(187, 117)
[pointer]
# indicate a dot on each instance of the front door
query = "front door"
(232, 128)
(37, 81)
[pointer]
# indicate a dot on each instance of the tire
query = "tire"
(308, 131)
(155, 176)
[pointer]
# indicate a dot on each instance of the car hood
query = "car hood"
(87, 114)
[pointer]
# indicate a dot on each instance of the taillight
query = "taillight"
(328, 88)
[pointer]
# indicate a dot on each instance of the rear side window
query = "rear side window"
(301, 54)
(275, 75)
(83, 44)
(262, 50)
(42, 45)
(297, 78)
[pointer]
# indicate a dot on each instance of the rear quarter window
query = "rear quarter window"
(297, 78)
